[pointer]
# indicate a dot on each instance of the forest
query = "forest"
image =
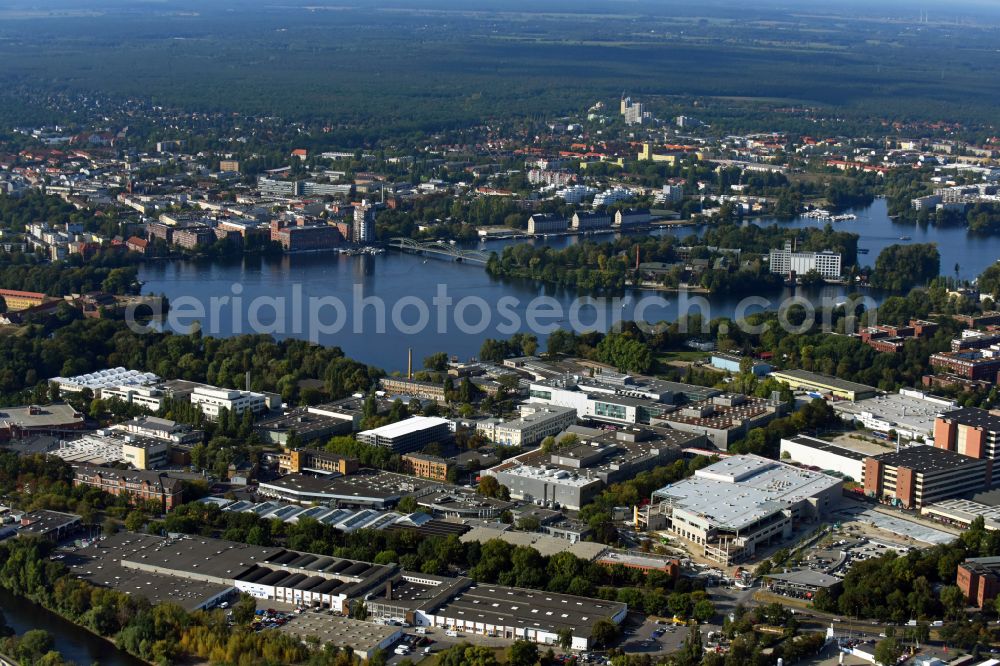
(306, 63)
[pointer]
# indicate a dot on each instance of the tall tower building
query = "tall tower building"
(363, 229)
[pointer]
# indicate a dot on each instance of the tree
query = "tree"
(134, 521)
(437, 362)
(244, 609)
(604, 633)
(888, 651)
(704, 610)
(490, 487)
(407, 504)
(110, 527)
(565, 638)
(523, 653)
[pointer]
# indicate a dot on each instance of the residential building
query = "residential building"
(194, 236)
(787, 260)
(614, 195)
(363, 229)
(409, 434)
(305, 237)
(920, 475)
(982, 364)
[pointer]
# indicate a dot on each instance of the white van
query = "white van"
(420, 630)
(452, 633)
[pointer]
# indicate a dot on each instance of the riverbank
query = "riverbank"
(74, 642)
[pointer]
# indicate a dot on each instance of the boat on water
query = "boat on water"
(905, 238)
(862, 250)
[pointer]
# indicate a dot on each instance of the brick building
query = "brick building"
(426, 467)
(305, 238)
(296, 460)
(970, 431)
(919, 475)
(979, 579)
(139, 485)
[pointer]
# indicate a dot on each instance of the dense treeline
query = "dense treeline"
(94, 344)
(901, 267)
(113, 271)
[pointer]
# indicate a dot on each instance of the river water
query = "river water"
(74, 643)
(375, 307)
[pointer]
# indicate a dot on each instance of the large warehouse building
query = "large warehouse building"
(198, 572)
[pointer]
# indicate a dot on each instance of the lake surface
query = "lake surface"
(375, 307)
(75, 644)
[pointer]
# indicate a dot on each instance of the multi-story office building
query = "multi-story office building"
(787, 260)
(919, 475)
(211, 401)
(983, 364)
(293, 461)
(979, 580)
(409, 434)
(535, 423)
(138, 485)
(970, 431)
(305, 237)
(426, 466)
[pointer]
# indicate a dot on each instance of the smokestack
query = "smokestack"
(388, 590)
(636, 257)
(409, 363)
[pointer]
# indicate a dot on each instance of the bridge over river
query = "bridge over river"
(439, 248)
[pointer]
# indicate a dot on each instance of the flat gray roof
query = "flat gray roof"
(738, 491)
